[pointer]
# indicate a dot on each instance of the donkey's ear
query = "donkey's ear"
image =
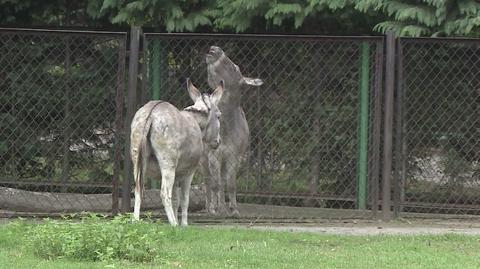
(217, 94)
(252, 81)
(193, 91)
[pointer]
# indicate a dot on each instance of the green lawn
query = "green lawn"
(198, 247)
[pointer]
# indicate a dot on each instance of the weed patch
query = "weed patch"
(95, 238)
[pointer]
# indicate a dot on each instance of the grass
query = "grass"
(200, 247)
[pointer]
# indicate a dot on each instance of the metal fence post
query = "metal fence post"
(119, 130)
(399, 142)
(67, 118)
(156, 58)
(377, 124)
(388, 125)
(131, 107)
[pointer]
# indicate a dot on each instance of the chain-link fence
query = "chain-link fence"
(312, 123)
(316, 123)
(61, 103)
(438, 150)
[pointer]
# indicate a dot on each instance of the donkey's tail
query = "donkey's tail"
(142, 161)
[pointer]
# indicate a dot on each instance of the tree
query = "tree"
(169, 14)
(426, 17)
(53, 13)
(300, 16)
(281, 16)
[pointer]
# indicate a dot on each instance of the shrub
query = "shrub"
(95, 238)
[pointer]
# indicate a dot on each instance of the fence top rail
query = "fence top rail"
(441, 39)
(264, 36)
(60, 31)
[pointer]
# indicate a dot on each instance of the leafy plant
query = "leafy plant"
(427, 17)
(95, 238)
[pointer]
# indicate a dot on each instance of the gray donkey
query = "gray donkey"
(170, 142)
(222, 165)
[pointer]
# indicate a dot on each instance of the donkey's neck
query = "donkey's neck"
(231, 99)
(195, 117)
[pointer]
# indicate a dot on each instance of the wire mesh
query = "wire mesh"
(61, 118)
(57, 119)
(440, 130)
(304, 121)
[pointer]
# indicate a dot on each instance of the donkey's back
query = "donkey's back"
(171, 136)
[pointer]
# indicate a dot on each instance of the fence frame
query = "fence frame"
(119, 123)
(387, 89)
(374, 90)
(401, 149)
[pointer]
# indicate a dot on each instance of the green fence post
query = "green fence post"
(363, 127)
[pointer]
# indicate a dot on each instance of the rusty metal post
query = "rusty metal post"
(145, 96)
(377, 124)
(131, 107)
(67, 121)
(119, 130)
(399, 142)
(388, 125)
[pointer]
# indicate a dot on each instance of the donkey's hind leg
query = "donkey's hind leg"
(139, 170)
(185, 184)
(176, 197)
(167, 161)
(138, 191)
(229, 173)
(217, 184)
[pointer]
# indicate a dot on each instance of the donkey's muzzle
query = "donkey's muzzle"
(215, 145)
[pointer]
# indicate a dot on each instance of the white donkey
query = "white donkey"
(172, 141)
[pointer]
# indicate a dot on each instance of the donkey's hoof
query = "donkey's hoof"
(222, 211)
(217, 212)
(234, 213)
(212, 212)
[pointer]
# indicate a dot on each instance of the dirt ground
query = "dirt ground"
(345, 222)
(361, 227)
(323, 221)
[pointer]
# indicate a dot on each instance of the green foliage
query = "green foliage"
(427, 17)
(308, 16)
(173, 15)
(52, 12)
(95, 238)
(406, 17)
(311, 16)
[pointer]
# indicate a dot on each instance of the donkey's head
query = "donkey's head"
(222, 68)
(206, 112)
(214, 53)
